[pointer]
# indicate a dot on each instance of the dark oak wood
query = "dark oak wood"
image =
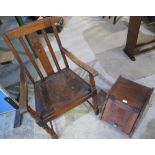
(125, 104)
(58, 92)
(132, 37)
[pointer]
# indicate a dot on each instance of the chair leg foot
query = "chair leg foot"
(53, 134)
(50, 131)
(43, 124)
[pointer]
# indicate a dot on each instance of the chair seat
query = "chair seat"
(59, 91)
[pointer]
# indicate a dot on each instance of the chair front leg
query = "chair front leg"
(94, 97)
(48, 129)
(53, 134)
(42, 124)
(95, 104)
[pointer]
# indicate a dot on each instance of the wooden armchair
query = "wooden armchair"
(58, 91)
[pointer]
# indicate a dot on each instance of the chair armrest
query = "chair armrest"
(80, 63)
(23, 100)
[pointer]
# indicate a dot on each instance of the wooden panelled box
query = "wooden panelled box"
(125, 104)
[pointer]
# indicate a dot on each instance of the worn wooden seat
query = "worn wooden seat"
(59, 90)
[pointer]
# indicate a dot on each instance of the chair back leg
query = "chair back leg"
(95, 103)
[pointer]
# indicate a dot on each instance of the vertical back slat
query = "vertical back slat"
(41, 53)
(8, 42)
(50, 49)
(30, 57)
(59, 43)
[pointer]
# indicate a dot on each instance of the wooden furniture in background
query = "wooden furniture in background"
(125, 104)
(114, 19)
(58, 91)
(132, 37)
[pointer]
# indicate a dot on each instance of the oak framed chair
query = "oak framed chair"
(58, 91)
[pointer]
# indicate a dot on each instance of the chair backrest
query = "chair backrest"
(30, 30)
